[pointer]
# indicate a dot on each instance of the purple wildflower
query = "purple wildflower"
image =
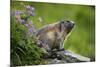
(32, 25)
(27, 26)
(18, 12)
(30, 30)
(17, 15)
(22, 21)
(30, 8)
(31, 13)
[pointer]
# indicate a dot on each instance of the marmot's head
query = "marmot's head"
(66, 26)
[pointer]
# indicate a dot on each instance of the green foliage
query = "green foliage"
(23, 49)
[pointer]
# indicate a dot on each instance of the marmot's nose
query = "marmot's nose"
(70, 24)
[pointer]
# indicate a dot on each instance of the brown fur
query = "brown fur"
(52, 36)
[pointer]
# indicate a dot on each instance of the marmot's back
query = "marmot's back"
(47, 36)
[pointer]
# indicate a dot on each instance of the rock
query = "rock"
(66, 57)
